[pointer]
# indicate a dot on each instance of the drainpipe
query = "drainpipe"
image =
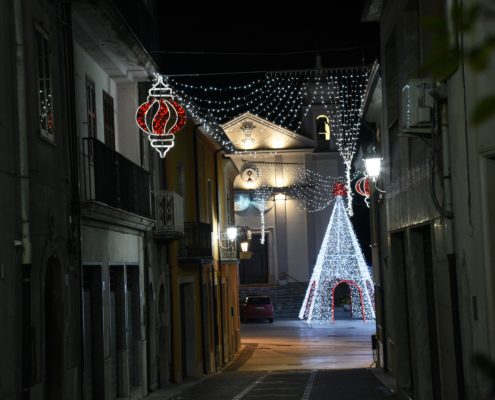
(203, 318)
(25, 241)
(217, 197)
(376, 215)
(74, 170)
(200, 266)
(450, 250)
(196, 169)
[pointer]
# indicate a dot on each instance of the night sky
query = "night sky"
(268, 41)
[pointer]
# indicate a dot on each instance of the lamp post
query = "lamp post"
(372, 162)
(228, 239)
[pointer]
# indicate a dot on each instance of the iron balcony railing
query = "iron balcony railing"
(197, 240)
(228, 248)
(112, 179)
(169, 213)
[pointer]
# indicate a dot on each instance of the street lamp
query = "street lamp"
(372, 162)
(232, 233)
(244, 246)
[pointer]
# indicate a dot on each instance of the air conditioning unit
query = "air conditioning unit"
(417, 107)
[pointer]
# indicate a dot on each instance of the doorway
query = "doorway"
(151, 349)
(424, 313)
(255, 269)
(117, 330)
(54, 329)
(401, 354)
(342, 301)
(163, 340)
(134, 324)
(94, 384)
(188, 334)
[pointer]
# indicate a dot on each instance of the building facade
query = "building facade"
(100, 296)
(286, 236)
(39, 273)
(203, 275)
(431, 209)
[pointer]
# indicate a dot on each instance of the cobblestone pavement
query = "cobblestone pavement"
(356, 384)
(293, 344)
(289, 360)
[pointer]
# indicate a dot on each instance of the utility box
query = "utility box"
(417, 106)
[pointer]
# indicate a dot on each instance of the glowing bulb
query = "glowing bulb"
(372, 167)
(232, 232)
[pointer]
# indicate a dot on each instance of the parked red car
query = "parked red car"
(257, 307)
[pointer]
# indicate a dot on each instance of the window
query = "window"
(108, 120)
(90, 107)
(45, 101)
(259, 300)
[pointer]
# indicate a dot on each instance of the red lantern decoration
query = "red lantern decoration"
(362, 187)
(339, 189)
(160, 117)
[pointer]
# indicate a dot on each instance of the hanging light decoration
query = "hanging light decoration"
(362, 187)
(161, 116)
(339, 189)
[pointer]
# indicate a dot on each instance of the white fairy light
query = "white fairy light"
(340, 260)
(348, 90)
(300, 183)
(261, 196)
(284, 99)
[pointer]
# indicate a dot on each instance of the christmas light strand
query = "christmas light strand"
(261, 197)
(284, 99)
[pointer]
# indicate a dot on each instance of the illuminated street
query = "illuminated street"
(291, 360)
(231, 204)
(293, 344)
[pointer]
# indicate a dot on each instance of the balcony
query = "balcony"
(228, 248)
(169, 210)
(111, 179)
(197, 240)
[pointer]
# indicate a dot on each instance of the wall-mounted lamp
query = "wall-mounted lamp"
(228, 239)
(244, 246)
(372, 162)
(232, 233)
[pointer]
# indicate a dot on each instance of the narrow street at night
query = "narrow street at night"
(232, 203)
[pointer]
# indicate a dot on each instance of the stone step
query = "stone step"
(287, 299)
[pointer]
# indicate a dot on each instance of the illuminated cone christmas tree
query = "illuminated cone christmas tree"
(340, 260)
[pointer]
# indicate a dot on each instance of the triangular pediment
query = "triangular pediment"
(250, 132)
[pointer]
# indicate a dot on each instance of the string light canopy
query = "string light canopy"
(339, 261)
(285, 99)
(295, 180)
(266, 179)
